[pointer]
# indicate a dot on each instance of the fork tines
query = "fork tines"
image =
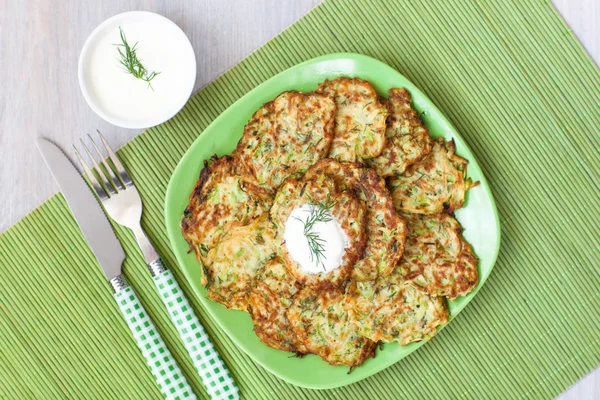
(110, 184)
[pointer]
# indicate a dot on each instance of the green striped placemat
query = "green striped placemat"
(523, 93)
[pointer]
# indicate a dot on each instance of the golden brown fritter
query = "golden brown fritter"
(359, 120)
(407, 139)
(219, 199)
(232, 265)
(320, 320)
(347, 210)
(386, 230)
(436, 183)
(270, 298)
(437, 259)
(391, 309)
(286, 136)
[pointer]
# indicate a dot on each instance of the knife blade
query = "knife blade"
(85, 208)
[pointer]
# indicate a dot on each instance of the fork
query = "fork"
(123, 204)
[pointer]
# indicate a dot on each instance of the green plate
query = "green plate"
(479, 217)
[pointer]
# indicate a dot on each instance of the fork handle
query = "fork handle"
(212, 370)
(168, 376)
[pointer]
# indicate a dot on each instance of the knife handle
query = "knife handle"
(212, 370)
(168, 376)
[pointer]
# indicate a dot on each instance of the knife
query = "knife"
(110, 255)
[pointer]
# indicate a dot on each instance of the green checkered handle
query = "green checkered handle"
(169, 378)
(212, 370)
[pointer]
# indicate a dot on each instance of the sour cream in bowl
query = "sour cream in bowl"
(137, 69)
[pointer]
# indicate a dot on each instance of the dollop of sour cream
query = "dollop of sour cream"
(332, 236)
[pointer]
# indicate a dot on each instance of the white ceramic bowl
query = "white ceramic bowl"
(122, 99)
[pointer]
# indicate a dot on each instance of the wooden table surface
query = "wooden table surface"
(39, 94)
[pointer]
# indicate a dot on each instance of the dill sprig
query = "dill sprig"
(131, 63)
(319, 212)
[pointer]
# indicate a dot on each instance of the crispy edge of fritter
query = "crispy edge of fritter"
(341, 172)
(327, 88)
(371, 182)
(268, 110)
(465, 260)
(199, 194)
(453, 198)
(401, 112)
(460, 164)
(359, 178)
(296, 314)
(239, 300)
(263, 298)
(356, 313)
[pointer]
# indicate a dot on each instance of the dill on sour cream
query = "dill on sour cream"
(314, 238)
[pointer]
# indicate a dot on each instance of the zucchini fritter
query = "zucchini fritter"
(407, 139)
(270, 298)
(286, 136)
(359, 120)
(437, 259)
(234, 262)
(320, 320)
(386, 230)
(434, 184)
(219, 199)
(391, 309)
(348, 211)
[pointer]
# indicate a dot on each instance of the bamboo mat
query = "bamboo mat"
(523, 93)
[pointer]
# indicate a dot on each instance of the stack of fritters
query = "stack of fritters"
(393, 191)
